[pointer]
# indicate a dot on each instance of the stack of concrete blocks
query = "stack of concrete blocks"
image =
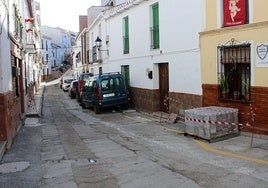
(200, 124)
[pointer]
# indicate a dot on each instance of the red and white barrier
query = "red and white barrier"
(240, 125)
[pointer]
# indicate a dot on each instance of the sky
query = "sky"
(64, 13)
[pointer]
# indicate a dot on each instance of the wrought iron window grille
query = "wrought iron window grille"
(234, 75)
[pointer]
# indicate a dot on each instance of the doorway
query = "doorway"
(163, 85)
(125, 72)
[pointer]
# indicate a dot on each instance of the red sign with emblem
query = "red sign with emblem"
(234, 12)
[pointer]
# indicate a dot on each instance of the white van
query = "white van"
(66, 82)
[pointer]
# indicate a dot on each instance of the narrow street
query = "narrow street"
(73, 147)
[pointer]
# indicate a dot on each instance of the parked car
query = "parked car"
(81, 82)
(66, 83)
(61, 82)
(73, 89)
(105, 90)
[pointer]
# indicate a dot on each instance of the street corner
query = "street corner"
(243, 144)
(237, 147)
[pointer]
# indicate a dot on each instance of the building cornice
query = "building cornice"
(81, 33)
(115, 10)
(235, 28)
(122, 7)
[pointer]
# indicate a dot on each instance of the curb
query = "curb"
(39, 104)
(2, 149)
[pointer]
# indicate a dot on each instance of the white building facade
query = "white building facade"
(77, 56)
(56, 49)
(155, 43)
(5, 71)
(18, 40)
(47, 57)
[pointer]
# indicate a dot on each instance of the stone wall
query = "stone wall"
(10, 116)
(145, 99)
(149, 100)
(182, 101)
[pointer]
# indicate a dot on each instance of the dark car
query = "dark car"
(73, 89)
(81, 82)
(105, 90)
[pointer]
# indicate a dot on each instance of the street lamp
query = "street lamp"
(98, 42)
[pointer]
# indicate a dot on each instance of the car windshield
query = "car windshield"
(89, 82)
(118, 83)
(86, 76)
(75, 83)
(68, 81)
(111, 83)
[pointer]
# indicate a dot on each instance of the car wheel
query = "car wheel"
(126, 106)
(96, 109)
(83, 105)
(78, 99)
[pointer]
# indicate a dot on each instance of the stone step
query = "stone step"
(163, 117)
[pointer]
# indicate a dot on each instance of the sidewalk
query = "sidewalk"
(243, 145)
(36, 109)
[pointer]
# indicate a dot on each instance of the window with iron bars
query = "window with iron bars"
(17, 23)
(234, 73)
(15, 75)
(94, 53)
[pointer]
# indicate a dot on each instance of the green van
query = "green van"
(106, 90)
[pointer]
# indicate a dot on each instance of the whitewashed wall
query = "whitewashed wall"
(60, 37)
(47, 64)
(5, 67)
(77, 65)
(180, 23)
(179, 45)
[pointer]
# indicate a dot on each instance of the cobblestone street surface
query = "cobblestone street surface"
(73, 147)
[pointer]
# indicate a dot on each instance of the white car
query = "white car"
(66, 84)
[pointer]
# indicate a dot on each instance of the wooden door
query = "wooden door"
(163, 85)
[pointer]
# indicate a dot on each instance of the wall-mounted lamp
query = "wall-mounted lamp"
(98, 42)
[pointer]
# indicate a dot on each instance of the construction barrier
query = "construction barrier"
(250, 123)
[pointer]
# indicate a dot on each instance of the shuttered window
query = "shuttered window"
(155, 27)
(126, 35)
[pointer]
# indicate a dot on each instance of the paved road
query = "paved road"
(72, 147)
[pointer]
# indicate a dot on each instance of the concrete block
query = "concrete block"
(211, 122)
